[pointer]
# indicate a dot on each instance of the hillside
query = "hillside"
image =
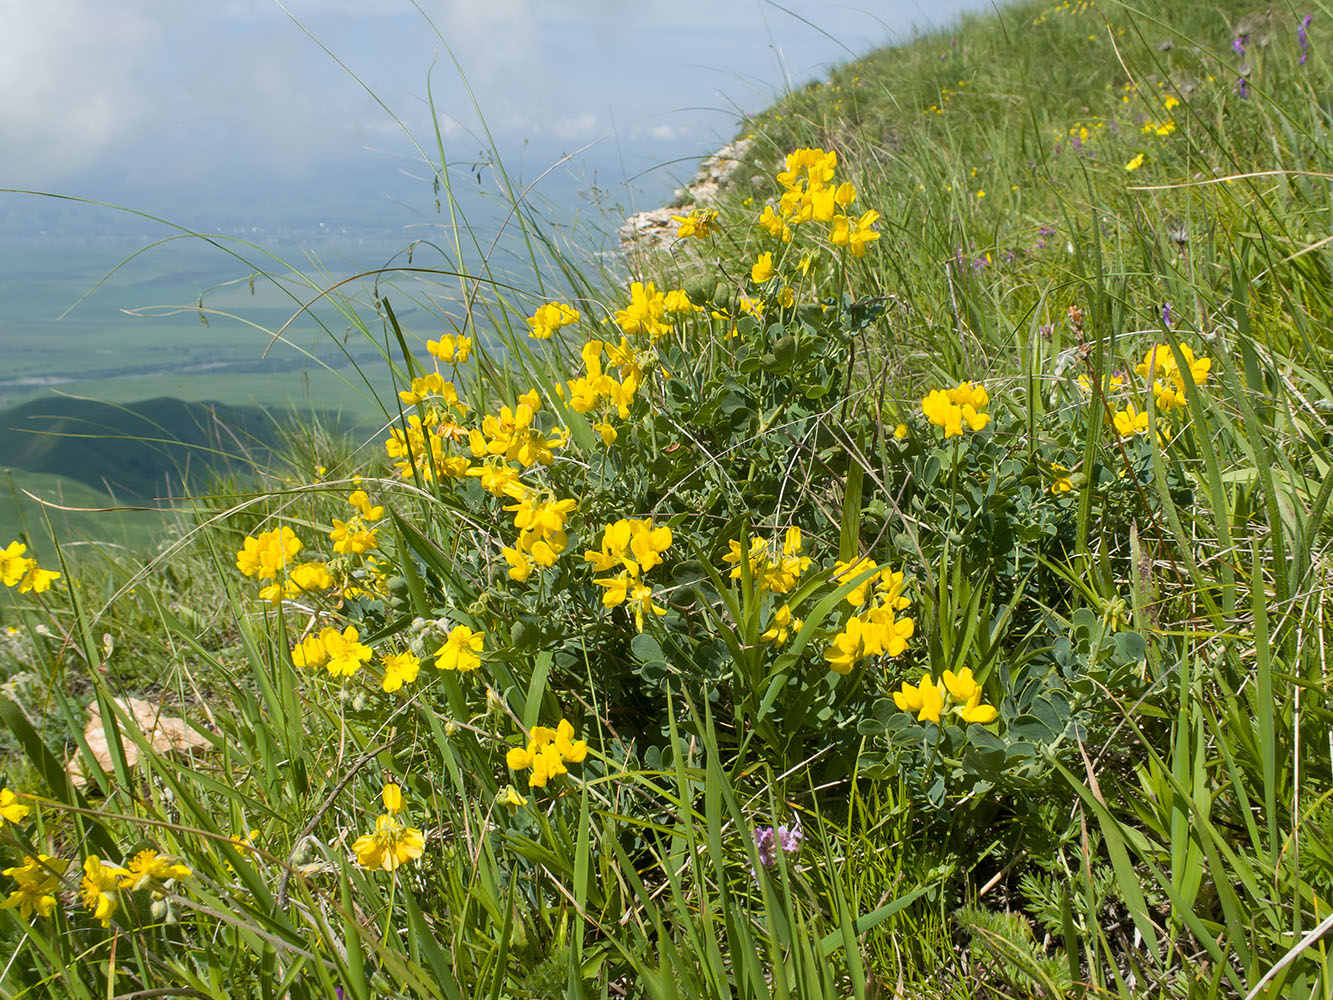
(144, 452)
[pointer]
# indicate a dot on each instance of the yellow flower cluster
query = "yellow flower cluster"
(598, 386)
(635, 547)
(651, 312)
(771, 573)
(1168, 378)
(39, 879)
(956, 408)
(421, 447)
(810, 194)
(512, 434)
(451, 349)
(550, 318)
(876, 631)
(353, 536)
(547, 753)
(540, 519)
(341, 653)
(959, 693)
(698, 224)
(1130, 421)
(270, 555)
(18, 570)
(393, 842)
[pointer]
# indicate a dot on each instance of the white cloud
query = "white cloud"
(74, 83)
(662, 132)
(580, 126)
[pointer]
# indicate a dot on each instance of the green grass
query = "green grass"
(1143, 813)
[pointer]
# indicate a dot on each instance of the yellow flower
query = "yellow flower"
(393, 843)
(644, 312)
(698, 224)
(508, 796)
(148, 867)
(854, 233)
(1062, 483)
(547, 752)
(360, 499)
(1130, 421)
(677, 303)
(961, 686)
(345, 654)
(98, 888)
(310, 652)
(956, 407)
(1135, 163)
(763, 269)
(462, 650)
(520, 567)
(11, 809)
(959, 693)
(37, 580)
(38, 880)
(641, 602)
(311, 576)
(781, 626)
(392, 797)
(13, 565)
(450, 349)
(267, 555)
(353, 536)
(400, 669)
(774, 224)
(974, 711)
(925, 699)
(847, 647)
(550, 318)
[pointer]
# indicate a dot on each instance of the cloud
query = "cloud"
(74, 83)
(662, 132)
(580, 126)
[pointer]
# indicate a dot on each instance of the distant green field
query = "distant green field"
(168, 324)
(74, 512)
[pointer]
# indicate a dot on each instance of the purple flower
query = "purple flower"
(1303, 36)
(768, 840)
(1166, 315)
(1238, 44)
(1242, 87)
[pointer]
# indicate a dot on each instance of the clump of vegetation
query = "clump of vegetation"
(913, 583)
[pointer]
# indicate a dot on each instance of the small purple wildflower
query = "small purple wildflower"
(1166, 315)
(768, 840)
(1303, 36)
(1242, 87)
(1238, 44)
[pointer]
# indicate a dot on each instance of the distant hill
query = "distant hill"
(141, 452)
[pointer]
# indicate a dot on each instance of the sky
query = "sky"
(264, 113)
